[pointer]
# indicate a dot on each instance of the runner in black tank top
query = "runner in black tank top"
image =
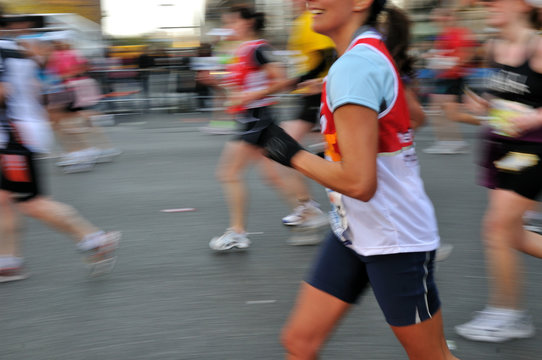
(511, 168)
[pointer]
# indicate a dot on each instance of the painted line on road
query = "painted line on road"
(178, 210)
(258, 302)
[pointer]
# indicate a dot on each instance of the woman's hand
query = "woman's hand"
(475, 103)
(524, 123)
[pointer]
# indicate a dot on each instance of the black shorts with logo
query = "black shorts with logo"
(513, 165)
(18, 172)
(251, 123)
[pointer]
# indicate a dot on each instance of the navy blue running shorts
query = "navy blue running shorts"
(403, 283)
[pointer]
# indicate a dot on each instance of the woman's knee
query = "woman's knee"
(299, 343)
(495, 225)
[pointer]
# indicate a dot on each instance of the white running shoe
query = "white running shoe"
(100, 252)
(68, 159)
(107, 155)
(229, 240)
(307, 214)
(78, 161)
(447, 148)
(497, 325)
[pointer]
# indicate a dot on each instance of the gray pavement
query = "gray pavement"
(170, 297)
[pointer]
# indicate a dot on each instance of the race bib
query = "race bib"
(338, 219)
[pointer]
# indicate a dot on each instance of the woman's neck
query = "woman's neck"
(343, 37)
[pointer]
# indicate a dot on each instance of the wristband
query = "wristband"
(278, 145)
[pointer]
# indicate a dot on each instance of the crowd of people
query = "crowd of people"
(356, 78)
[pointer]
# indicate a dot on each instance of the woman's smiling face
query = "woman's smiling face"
(329, 15)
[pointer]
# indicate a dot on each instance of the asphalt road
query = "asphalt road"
(170, 297)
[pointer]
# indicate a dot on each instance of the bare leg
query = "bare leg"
(9, 226)
(312, 320)
(504, 235)
(59, 216)
(424, 341)
(68, 131)
(97, 136)
(237, 155)
(443, 128)
(296, 184)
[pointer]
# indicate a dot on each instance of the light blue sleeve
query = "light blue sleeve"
(363, 77)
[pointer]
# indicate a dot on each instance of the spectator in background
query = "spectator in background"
(145, 62)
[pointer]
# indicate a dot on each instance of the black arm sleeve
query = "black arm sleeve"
(264, 55)
(327, 58)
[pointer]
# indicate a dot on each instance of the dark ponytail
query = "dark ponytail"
(249, 14)
(396, 30)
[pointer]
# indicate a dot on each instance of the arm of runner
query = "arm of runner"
(277, 81)
(355, 175)
(417, 115)
(524, 123)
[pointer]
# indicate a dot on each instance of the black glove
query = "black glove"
(278, 145)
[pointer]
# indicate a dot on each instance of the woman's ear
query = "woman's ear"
(362, 5)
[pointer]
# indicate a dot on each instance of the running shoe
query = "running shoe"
(447, 148)
(12, 274)
(78, 161)
(100, 251)
(497, 325)
(107, 155)
(307, 214)
(230, 240)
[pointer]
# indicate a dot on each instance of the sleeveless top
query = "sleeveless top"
(247, 76)
(400, 217)
(518, 84)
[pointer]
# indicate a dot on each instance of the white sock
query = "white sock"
(508, 312)
(90, 241)
(310, 203)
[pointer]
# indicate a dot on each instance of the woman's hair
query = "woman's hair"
(247, 13)
(396, 31)
(535, 19)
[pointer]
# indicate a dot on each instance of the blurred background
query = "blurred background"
(170, 297)
(146, 54)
